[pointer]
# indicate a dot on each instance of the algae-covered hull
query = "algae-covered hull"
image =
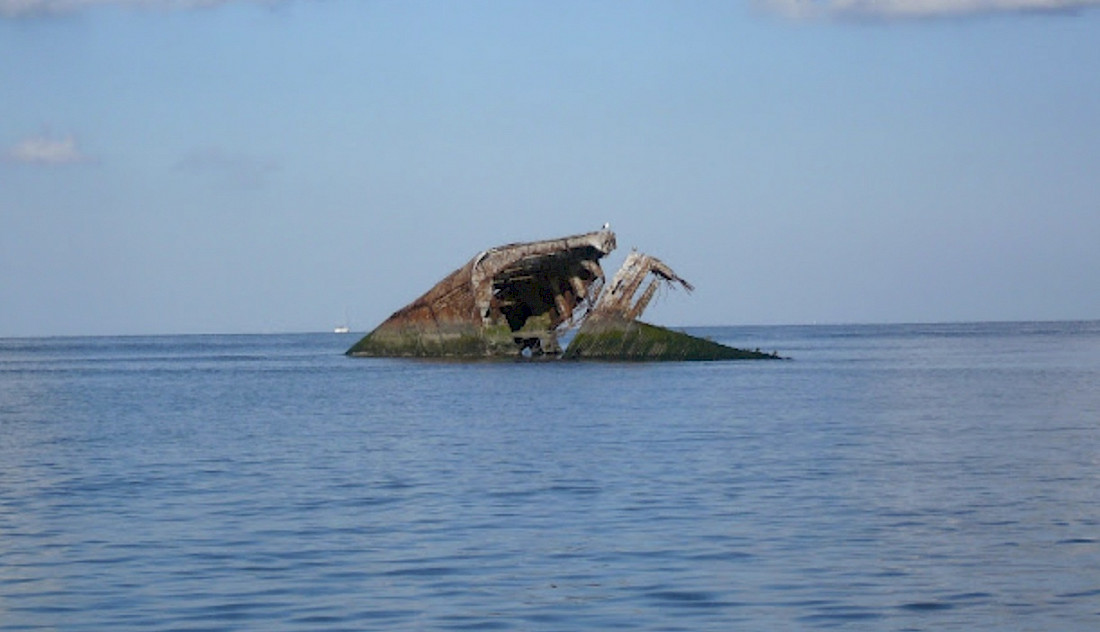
(514, 300)
(614, 338)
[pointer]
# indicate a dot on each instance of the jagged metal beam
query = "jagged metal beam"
(637, 267)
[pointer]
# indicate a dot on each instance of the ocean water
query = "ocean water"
(900, 477)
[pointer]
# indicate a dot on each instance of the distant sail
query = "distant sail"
(346, 327)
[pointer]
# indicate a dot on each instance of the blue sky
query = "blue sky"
(246, 166)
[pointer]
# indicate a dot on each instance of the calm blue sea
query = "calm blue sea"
(898, 477)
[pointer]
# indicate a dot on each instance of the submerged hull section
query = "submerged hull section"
(616, 338)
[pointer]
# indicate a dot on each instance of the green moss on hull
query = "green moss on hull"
(619, 339)
(455, 341)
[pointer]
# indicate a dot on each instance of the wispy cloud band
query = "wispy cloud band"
(45, 150)
(29, 8)
(906, 9)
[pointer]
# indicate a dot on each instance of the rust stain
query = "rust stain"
(507, 300)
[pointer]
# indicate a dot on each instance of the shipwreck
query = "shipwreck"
(518, 300)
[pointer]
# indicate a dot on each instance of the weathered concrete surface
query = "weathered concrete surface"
(513, 300)
(612, 337)
(505, 301)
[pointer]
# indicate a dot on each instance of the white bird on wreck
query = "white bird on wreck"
(606, 225)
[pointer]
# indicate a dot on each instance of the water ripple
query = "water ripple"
(889, 478)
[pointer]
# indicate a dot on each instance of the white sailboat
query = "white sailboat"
(345, 328)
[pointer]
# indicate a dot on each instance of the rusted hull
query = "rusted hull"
(504, 302)
(513, 300)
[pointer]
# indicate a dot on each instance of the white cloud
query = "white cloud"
(902, 9)
(26, 8)
(44, 150)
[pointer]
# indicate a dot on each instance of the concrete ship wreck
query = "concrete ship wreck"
(518, 299)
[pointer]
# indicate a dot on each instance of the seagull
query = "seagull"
(606, 225)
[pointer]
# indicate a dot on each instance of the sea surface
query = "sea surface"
(885, 477)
